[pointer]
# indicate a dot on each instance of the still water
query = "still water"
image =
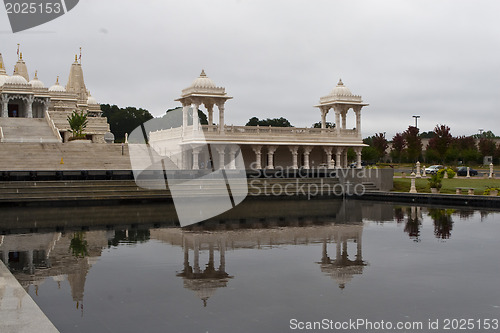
(269, 266)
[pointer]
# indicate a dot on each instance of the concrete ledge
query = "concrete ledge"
(18, 312)
(435, 199)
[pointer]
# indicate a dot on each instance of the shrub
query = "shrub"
(436, 180)
(489, 189)
(451, 173)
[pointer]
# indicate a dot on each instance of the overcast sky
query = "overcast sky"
(436, 59)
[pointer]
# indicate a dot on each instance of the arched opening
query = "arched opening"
(17, 108)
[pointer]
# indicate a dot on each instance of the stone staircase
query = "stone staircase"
(26, 130)
(75, 155)
(95, 125)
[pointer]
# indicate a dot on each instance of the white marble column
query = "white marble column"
(196, 151)
(307, 152)
(357, 111)
(196, 119)
(5, 106)
(337, 120)
(328, 152)
(324, 112)
(29, 106)
(344, 119)
(185, 110)
(338, 153)
(220, 106)
(295, 152)
(258, 156)
(232, 156)
(358, 158)
(210, 111)
(270, 156)
(221, 149)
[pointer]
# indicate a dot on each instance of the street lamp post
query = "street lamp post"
(416, 120)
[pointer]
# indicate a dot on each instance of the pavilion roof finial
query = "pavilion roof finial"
(340, 83)
(203, 73)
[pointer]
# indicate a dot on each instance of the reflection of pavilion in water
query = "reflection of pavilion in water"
(266, 224)
(206, 281)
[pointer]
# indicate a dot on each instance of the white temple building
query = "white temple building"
(23, 99)
(263, 147)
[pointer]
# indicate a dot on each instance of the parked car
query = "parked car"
(433, 169)
(462, 171)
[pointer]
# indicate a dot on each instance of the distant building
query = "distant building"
(21, 97)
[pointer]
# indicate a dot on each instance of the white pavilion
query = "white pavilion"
(265, 147)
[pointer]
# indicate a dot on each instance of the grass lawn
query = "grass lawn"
(449, 185)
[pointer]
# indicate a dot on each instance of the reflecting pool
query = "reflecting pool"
(268, 266)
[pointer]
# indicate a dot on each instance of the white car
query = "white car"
(433, 169)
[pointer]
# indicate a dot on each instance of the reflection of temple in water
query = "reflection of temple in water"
(34, 257)
(257, 224)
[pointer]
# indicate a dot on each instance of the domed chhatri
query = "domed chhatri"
(203, 81)
(203, 86)
(341, 93)
(36, 83)
(91, 100)
(57, 87)
(16, 80)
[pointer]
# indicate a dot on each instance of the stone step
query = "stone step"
(27, 130)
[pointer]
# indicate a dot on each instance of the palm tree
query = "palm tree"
(78, 123)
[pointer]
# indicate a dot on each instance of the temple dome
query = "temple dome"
(16, 79)
(341, 90)
(35, 83)
(203, 81)
(3, 78)
(91, 100)
(57, 87)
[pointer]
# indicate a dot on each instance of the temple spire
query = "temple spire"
(76, 83)
(21, 69)
(2, 66)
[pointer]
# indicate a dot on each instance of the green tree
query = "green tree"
(124, 120)
(413, 143)
(318, 125)
(78, 123)
(487, 147)
(441, 140)
(487, 135)
(398, 147)
(380, 144)
(369, 154)
(275, 122)
(427, 135)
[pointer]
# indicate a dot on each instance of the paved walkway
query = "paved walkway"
(18, 312)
